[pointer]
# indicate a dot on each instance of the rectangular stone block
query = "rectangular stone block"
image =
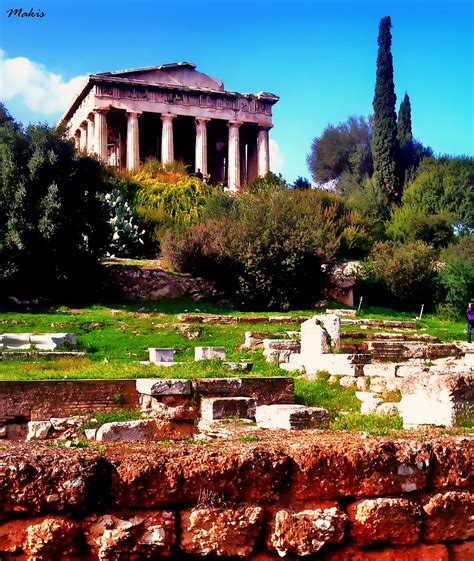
(291, 417)
(161, 354)
(469, 359)
(209, 353)
(264, 390)
(437, 399)
(448, 517)
(384, 370)
(40, 341)
(216, 408)
(163, 386)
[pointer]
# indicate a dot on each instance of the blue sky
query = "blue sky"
(318, 56)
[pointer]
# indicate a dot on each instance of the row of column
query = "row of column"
(92, 138)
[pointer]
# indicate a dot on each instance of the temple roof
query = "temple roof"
(177, 75)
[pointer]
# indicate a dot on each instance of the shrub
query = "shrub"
(409, 224)
(273, 250)
(406, 272)
(53, 221)
(456, 277)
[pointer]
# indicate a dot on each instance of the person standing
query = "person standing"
(470, 321)
(199, 174)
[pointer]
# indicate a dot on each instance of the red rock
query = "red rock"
(359, 469)
(453, 462)
(51, 538)
(461, 551)
(307, 531)
(419, 552)
(135, 537)
(449, 516)
(221, 531)
(396, 521)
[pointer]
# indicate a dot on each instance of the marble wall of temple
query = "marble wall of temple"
(173, 112)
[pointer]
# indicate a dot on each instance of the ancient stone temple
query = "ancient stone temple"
(173, 112)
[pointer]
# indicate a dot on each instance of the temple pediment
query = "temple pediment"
(176, 74)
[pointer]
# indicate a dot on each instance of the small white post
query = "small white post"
(421, 311)
(360, 303)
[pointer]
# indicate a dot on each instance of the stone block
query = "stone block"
(209, 353)
(243, 366)
(53, 537)
(314, 340)
(147, 534)
(265, 390)
(384, 385)
(255, 338)
(305, 532)
(291, 417)
(229, 532)
(437, 399)
(332, 325)
(38, 430)
(3, 431)
(461, 551)
(144, 429)
(469, 359)
(216, 408)
(403, 371)
(393, 520)
(385, 370)
(448, 517)
(279, 350)
(163, 386)
(40, 341)
(387, 408)
(160, 355)
(339, 364)
(420, 552)
(15, 340)
(90, 434)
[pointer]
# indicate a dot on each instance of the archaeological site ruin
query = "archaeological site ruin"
(173, 113)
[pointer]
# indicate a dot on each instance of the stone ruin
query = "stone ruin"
(416, 376)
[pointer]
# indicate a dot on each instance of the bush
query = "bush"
(456, 277)
(273, 250)
(405, 273)
(53, 220)
(410, 224)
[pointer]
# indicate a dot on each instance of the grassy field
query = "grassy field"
(116, 337)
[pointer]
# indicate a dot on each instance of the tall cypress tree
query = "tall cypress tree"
(385, 151)
(405, 134)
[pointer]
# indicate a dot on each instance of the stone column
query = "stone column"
(133, 146)
(77, 139)
(201, 144)
(167, 147)
(83, 137)
(90, 134)
(263, 151)
(233, 160)
(100, 133)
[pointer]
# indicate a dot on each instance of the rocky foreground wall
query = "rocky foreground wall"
(333, 497)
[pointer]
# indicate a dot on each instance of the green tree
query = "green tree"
(443, 185)
(385, 151)
(411, 224)
(53, 221)
(341, 148)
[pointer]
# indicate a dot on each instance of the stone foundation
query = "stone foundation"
(341, 498)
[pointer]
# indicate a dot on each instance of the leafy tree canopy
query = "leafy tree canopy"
(341, 148)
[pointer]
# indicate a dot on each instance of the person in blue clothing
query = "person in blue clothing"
(470, 321)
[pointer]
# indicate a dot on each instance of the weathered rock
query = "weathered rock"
(449, 516)
(436, 399)
(209, 353)
(363, 469)
(216, 408)
(279, 350)
(3, 431)
(453, 460)
(157, 355)
(265, 390)
(163, 386)
(388, 408)
(331, 323)
(51, 538)
(291, 417)
(38, 430)
(143, 535)
(370, 402)
(190, 332)
(385, 385)
(461, 551)
(419, 552)
(306, 532)
(228, 532)
(144, 429)
(469, 359)
(393, 520)
(380, 369)
(255, 338)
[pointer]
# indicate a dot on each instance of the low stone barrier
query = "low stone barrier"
(339, 498)
(217, 319)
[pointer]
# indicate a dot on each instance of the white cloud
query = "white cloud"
(35, 86)
(276, 157)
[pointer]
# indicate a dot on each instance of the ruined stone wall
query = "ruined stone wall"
(333, 497)
(37, 400)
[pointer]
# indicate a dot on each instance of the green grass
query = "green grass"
(319, 393)
(119, 415)
(373, 423)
